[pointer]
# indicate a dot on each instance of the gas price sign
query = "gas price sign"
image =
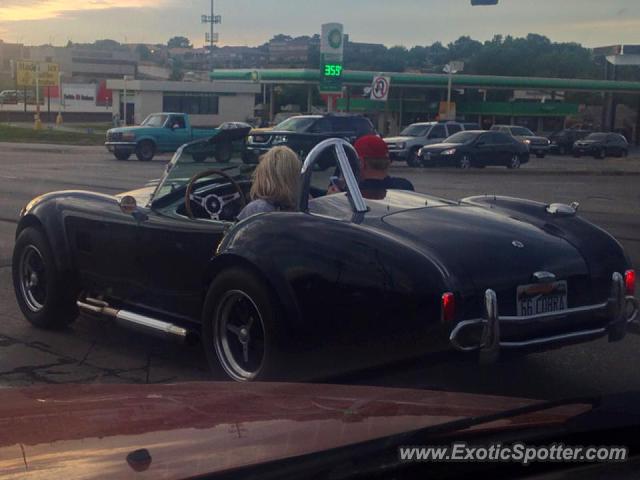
(332, 70)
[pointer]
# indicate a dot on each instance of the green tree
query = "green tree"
(179, 42)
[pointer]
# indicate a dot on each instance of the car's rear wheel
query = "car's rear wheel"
(145, 151)
(122, 155)
(413, 160)
(224, 151)
(465, 162)
(514, 162)
(240, 330)
(45, 295)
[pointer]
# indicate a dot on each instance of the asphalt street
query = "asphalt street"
(93, 351)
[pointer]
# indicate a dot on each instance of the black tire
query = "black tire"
(412, 159)
(145, 151)
(224, 152)
(122, 156)
(264, 352)
(515, 162)
(52, 305)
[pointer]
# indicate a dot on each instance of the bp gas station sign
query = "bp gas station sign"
(331, 58)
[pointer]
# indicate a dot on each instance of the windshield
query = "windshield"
(296, 124)
(463, 137)
(155, 121)
(195, 158)
(415, 131)
(597, 136)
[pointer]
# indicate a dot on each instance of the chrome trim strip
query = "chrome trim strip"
(634, 301)
(151, 323)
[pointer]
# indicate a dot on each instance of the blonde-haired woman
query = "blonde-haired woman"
(276, 183)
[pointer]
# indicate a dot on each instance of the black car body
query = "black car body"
(476, 148)
(602, 145)
(539, 146)
(563, 140)
(342, 282)
(302, 133)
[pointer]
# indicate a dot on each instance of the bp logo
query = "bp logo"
(335, 38)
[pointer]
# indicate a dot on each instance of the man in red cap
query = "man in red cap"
(374, 166)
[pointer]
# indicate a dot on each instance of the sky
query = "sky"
(253, 22)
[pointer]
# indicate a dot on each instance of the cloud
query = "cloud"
(22, 10)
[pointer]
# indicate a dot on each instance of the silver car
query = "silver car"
(406, 146)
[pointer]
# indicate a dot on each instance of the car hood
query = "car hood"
(186, 430)
(126, 129)
(398, 139)
(587, 143)
(486, 248)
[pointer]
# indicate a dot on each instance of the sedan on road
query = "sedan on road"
(601, 145)
(476, 148)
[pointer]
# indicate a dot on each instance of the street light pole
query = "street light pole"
(38, 123)
(124, 100)
(59, 119)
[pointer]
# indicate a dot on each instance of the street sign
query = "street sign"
(380, 88)
(48, 74)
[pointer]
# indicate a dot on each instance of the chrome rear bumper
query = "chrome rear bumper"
(619, 308)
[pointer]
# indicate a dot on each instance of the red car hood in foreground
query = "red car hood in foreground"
(87, 431)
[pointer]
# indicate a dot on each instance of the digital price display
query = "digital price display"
(332, 70)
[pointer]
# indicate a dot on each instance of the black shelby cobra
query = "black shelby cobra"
(344, 282)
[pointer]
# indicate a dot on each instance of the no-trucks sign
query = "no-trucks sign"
(380, 88)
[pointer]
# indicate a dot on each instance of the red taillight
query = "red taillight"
(630, 282)
(448, 307)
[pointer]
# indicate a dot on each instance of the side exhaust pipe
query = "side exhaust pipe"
(138, 322)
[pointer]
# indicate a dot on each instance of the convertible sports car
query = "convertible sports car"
(343, 282)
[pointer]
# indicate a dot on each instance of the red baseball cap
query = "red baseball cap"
(371, 146)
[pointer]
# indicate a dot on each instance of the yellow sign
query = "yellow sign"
(48, 74)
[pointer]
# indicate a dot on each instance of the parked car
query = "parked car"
(158, 133)
(405, 147)
(340, 283)
(302, 133)
(539, 146)
(602, 145)
(563, 140)
(8, 97)
(475, 148)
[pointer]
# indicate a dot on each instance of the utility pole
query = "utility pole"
(211, 37)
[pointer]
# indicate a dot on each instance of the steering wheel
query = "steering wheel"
(212, 203)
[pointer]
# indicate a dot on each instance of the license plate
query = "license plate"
(539, 298)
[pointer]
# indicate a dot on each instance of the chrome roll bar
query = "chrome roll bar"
(353, 190)
(615, 308)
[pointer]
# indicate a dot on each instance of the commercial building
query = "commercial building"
(208, 103)
(415, 97)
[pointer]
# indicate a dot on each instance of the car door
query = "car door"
(176, 134)
(173, 253)
(505, 147)
(437, 134)
(453, 128)
(485, 149)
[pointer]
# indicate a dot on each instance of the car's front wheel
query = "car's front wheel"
(224, 152)
(145, 151)
(240, 331)
(514, 162)
(45, 295)
(465, 162)
(121, 155)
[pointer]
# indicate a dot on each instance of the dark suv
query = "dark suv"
(563, 140)
(304, 132)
